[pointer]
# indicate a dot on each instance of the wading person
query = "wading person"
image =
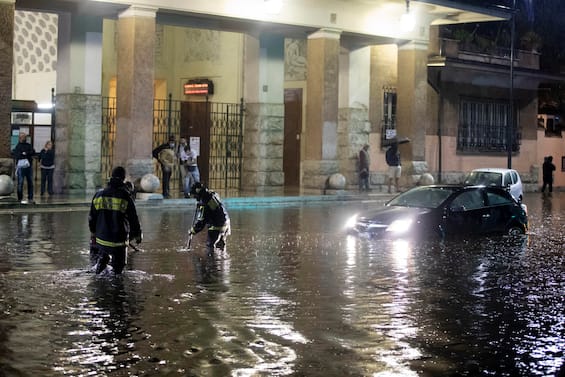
(210, 212)
(112, 219)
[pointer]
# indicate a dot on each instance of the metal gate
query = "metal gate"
(221, 152)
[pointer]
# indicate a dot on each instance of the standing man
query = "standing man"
(112, 219)
(165, 154)
(547, 171)
(394, 170)
(23, 153)
(364, 163)
(182, 157)
(192, 172)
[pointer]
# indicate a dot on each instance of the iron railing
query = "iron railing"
(225, 149)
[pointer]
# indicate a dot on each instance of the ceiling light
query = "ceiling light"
(273, 6)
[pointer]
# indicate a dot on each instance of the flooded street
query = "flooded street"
(292, 296)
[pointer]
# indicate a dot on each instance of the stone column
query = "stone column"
(262, 168)
(78, 105)
(412, 108)
(322, 109)
(6, 62)
(134, 112)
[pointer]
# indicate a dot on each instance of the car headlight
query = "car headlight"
(350, 223)
(399, 226)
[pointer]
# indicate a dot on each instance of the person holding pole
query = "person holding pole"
(210, 211)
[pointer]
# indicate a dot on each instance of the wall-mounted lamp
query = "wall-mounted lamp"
(407, 21)
(273, 6)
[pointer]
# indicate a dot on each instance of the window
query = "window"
(496, 199)
(389, 114)
(483, 126)
(468, 200)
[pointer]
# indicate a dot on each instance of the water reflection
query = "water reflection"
(291, 296)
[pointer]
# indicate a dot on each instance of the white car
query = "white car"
(506, 178)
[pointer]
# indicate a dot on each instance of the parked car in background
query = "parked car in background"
(497, 177)
(440, 211)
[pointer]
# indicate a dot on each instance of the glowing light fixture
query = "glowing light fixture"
(273, 6)
(407, 20)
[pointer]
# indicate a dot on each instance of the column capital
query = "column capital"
(414, 45)
(326, 33)
(138, 11)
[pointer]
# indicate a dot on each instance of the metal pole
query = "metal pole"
(509, 135)
(169, 112)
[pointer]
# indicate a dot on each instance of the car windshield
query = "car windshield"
(423, 197)
(484, 178)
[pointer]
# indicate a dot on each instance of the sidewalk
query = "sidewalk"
(67, 203)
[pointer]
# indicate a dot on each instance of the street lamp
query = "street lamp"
(407, 19)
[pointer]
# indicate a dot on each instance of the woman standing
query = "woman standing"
(47, 165)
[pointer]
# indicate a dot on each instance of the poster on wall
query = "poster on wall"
(194, 142)
(40, 136)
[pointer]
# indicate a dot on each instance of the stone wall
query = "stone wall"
(78, 138)
(353, 132)
(263, 140)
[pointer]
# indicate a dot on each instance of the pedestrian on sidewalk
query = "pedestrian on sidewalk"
(165, 154)
(547, 172)
(112, 220)
(192, 172)
(394, 169)
(364, 163)
(47, 165)
(23, 154)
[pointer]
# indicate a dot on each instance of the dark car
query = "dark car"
(443, 211)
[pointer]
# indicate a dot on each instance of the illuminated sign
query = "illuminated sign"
(200, 87)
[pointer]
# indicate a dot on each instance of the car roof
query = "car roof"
(493, 170)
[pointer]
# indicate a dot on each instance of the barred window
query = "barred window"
(483, 126)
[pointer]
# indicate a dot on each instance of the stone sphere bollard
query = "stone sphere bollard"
(336, 182)
(426, 179)
(6, 185)
(149, 183)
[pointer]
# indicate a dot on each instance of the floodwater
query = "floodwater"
(292, 296)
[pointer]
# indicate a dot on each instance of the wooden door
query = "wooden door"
(195, 122)
(292, 133)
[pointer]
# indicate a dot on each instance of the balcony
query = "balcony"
(452, 50)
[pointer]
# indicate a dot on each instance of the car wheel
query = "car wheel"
(515, 230)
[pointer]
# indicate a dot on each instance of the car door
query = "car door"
(466, 213)
(498, 212)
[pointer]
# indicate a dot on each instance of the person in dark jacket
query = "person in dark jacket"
(47, 165)
(23, 154)
(165, 154)
(547, 173)
(112, 219)
(212, 213)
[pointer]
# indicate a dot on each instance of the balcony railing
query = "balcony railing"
(450, 48)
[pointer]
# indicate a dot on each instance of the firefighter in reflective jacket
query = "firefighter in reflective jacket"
(212, 213)
(112, 219)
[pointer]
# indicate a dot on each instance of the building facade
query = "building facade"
(317, 80)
